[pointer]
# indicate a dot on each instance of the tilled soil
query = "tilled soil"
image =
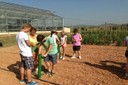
(100, 65)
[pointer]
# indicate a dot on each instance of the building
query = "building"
(67, 30)
(13, 16)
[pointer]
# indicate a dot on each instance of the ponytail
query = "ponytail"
(52, 32)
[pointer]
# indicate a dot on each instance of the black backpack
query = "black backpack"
(1, 44)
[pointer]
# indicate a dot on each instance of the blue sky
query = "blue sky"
(87, 12)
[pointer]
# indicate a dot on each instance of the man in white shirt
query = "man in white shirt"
(27, 62)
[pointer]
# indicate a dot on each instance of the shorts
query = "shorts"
(27, 62)
(76, 48)
(36, 50)
(51, 57)
(126, 54)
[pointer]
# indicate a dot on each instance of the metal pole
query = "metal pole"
(39, 65)
(63, 24)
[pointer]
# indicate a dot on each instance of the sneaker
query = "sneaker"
(51, 74)
(22, 81)
(32, 83)
(79, 57)
(34, 73)
(63, 58)
(47, 73)
(126, 75)
(73, 57)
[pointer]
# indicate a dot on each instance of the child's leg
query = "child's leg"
(54, 61)
(48, 66)
(74, 51)
(36, 60)
(74, 54)
(64, 51)
(79, 54)
(53, 66)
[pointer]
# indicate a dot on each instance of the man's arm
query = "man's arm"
(29, 43)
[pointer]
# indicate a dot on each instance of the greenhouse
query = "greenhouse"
(13, 16)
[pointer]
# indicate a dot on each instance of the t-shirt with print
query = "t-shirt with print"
(25, 50)
(50, 40)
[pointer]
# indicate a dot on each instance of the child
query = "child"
(33, 39)
(63, 40)
(27, 62)
(50, 54)
(76, 38)
(55, 39)
(125, 43)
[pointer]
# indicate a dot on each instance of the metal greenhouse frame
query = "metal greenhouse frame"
(13, 16)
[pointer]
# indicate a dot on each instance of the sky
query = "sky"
(83, 12)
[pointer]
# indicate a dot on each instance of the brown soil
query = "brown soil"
(100, 65)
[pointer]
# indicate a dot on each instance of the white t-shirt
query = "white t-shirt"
(25, 50)
(63, 40)
(54, 38)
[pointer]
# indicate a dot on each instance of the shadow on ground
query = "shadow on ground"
(15, 69)
(67, 55)
(111, 67)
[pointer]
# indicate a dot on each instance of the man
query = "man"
(27, 62)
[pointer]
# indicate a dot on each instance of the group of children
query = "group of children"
(31, 45)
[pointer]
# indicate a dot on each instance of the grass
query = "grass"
(8, 40)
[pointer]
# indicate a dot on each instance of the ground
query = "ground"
(100, 65)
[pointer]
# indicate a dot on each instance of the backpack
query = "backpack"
(1, 44)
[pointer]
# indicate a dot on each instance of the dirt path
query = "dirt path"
(100, 65)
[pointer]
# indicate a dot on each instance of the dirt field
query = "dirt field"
(100, 65)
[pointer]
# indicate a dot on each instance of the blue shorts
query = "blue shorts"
(51, 57)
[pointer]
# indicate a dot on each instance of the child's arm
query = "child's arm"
(58, 40)
(39, 49)
(29, 43)
(73, 40)
(80, 37)
(49, 49)
(50, 42)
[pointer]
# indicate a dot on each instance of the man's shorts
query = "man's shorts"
(126, 54)
(76, 48)
(27, 62)
(51, 57)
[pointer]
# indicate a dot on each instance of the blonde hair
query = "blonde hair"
(26, 25)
